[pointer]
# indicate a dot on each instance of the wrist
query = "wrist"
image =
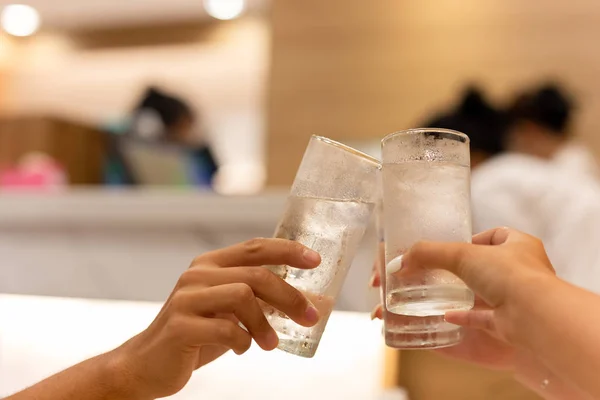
(118, 377)
(532, 374)
(522, 306)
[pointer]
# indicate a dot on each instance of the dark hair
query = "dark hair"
(549, 106)
(170, 109)
(476, 117)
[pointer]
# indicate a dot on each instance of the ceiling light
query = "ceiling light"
(20, 20)
(224, 9)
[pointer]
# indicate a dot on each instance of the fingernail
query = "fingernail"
(312, 256)
(394, 266)
(372, 281)
(375, 311)
(373, 314)
(311, 314)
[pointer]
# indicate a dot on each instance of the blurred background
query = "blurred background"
(136, 134)
(90, 71)
(252, 86)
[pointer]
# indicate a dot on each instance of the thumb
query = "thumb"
(474, 319)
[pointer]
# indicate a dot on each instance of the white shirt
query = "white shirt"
(547, 201)
(576, 158)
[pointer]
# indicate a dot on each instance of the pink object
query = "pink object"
(34, 171)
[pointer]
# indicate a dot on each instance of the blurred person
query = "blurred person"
(198, 323)
(161, 115)
(526, 320)
(541, 127)
(550, 202)
(175, 120)
(529, 193)
(164, 119)
(476, 117)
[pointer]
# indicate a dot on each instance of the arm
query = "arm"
(532, 374)
(98, 378)
(562, 329)
(198, 323)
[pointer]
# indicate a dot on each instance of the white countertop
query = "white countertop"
(145, 207)
(132, 244)
(42, 335)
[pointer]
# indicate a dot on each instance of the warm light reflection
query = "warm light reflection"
(224, 9)
(20, 20)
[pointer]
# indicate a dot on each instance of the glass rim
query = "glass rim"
(347, 148)
(425, 130)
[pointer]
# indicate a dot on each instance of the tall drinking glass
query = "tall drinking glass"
(426, 196)
(328, 210)
(410, 332)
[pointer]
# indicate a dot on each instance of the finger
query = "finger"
(498, 236)
(264, 284)
(375, 279)
(378, 266)
(377, 312)
(439, 255)
(450, 255)
(234, 298)
(493, 237)
(196, 331)
(263, 252)
(478, 266)
(474, 319)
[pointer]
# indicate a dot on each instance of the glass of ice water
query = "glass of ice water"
(426, 196)
(406, 331)
(328, 210)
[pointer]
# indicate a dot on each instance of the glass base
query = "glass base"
(407, 332)
(303, 348)
(425, 301)
(293, 338)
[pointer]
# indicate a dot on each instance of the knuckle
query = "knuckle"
(177, 326)
(292, 248)
(416, 251)
(533, 240)
(179, 301)
(259, 274)
(228, 331)
(243, 292)
(190, 276)
(198, 260)
(548, 266)
(254, 246)
(540, 245)
(297, 300)
(537, 248)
